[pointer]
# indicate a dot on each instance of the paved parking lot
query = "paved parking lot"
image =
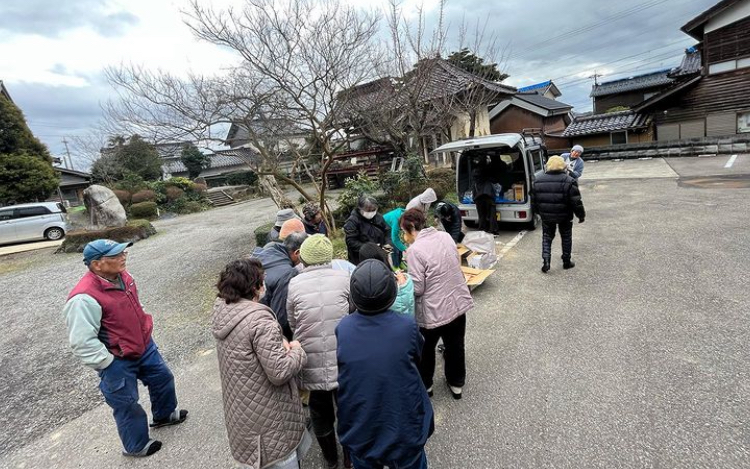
(636, 358)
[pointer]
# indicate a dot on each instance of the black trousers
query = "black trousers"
(548, 234)
(455, 358)
(322, 407)
(487, 213)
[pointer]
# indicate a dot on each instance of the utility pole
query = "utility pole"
(595, 76)
(67, 152)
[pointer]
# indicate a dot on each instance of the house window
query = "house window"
(728, 66)
(743, 122)
(619, 138)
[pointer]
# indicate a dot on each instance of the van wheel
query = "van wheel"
(53, 234)
(470, 224)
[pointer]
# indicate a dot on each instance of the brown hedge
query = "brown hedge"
(134, 231)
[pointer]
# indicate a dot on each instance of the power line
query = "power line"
(614, 17)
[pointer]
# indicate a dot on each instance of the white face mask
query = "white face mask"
(369, 215)
(262, 291)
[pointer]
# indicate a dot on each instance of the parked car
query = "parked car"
(513, 160)
(29, 222)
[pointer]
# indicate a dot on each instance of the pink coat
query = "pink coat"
(439, 285)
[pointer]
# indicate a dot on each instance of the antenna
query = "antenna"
(596, 76)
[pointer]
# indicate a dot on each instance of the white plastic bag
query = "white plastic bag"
(479, 241)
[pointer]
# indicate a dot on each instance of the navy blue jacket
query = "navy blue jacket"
(279, 271)
(384, 412)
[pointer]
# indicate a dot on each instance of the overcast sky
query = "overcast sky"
(52, 52)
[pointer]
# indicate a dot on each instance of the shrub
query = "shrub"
(124, 197)
(201, 187)
(131, 182)
(181, 183)
(174, 193)
(244, 178)
(145, 195)
(143, 210)
(261, 234)
(188, 206)
(443, 180)
(134, 231)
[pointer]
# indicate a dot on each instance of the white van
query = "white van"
(29, 222)
(513, 159)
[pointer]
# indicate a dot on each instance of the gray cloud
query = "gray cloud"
(560, 39)
(52, 17)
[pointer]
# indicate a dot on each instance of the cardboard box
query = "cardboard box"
(475, 277)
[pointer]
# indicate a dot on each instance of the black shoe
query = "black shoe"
(455, 392)
(545, 266)
(151, 447)
(568, 265)
(429, 391)
(176, 417)
(441, 350)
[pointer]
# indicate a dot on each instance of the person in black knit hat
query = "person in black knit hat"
(378, 352)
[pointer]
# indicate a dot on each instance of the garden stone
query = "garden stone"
(104, 207)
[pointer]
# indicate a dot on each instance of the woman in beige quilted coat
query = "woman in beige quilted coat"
(262, 408)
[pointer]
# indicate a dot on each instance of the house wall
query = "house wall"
(629, 99)
(729, 42)
(605, 140)
(728, 16)
(706, 106)
(514, 119)
(462, 123)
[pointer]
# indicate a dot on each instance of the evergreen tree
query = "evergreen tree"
(26, 173)
(194, 160)
(136, 156)
(470, 62)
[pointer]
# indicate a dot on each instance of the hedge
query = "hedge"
(145, 195)
(134, 231)
(143, 210)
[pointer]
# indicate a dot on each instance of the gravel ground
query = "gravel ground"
(42, 384)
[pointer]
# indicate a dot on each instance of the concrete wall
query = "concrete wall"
(674, 148)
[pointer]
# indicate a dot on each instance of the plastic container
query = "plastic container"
(518, 192)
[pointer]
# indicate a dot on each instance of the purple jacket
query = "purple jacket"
(439, 285)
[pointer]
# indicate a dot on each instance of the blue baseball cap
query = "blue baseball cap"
(95, 250)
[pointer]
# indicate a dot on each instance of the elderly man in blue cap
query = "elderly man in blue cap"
(110, 332)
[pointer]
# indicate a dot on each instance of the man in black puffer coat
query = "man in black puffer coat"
(557, 199)
(365, 225)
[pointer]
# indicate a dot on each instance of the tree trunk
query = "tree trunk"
(272, 188)
(472, 122)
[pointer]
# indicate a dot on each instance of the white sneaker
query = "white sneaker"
(455, 392)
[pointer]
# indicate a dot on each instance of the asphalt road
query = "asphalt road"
(636, 358)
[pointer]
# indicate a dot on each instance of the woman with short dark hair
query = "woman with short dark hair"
(442, 298)
(365, 225)
(262, 408)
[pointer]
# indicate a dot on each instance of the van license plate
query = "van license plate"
(498, 216)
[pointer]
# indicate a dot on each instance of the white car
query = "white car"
(30, 222)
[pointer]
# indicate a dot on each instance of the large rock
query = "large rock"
(105, 209)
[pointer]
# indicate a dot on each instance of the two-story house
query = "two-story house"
(712, 97)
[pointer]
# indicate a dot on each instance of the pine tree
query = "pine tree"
(471, 62)
(26, 173)
(194, 160)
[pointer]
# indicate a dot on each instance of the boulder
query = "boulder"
(105, 209)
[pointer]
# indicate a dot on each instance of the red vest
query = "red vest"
(126, 328)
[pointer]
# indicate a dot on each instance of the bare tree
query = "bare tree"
(424, 95)
(294, 58)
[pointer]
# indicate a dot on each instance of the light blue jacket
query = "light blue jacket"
(575, 166)
(404, 303)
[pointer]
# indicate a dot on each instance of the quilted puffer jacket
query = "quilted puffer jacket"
(318, 299)
(262, 407)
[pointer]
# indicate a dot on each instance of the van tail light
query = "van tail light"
(464, 213)
(521, 214)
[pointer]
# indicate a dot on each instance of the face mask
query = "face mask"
(369, 215)
(262, 291)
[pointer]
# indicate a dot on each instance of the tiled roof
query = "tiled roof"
(219, 159)
(543, 102)
(695, 26)
(647, 80)
(691, 64)
(601, 123)
(446, 79)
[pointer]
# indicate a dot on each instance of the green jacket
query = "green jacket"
(391, 218)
